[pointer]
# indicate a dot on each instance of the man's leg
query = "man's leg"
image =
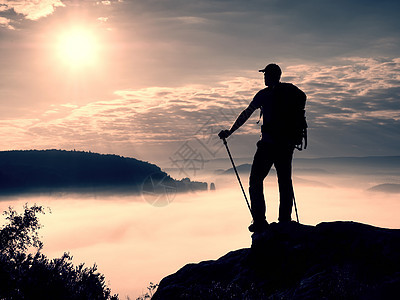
(262, 163)
(283, 165)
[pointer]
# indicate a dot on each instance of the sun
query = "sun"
(78, 48)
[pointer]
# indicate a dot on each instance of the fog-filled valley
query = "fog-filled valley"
(134, 242)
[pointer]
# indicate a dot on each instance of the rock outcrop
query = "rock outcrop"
(336, 260)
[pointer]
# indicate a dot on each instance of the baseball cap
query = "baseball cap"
(272, 68)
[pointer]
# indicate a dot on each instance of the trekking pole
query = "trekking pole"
(295, 206)
(237, 175)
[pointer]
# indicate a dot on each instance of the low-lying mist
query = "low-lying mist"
(134, 242)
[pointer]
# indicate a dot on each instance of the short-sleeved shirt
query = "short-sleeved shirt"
(280, 106)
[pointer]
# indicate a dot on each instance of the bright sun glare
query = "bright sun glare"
(78, 48)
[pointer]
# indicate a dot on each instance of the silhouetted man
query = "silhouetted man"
(282, 106)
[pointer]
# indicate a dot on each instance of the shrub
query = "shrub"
(26, 273)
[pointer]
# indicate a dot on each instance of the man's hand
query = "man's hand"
(224, 134)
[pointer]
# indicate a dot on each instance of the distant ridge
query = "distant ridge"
(327, 165)
(379, 160)
(26, 171)
(244, 168)
(353, 165)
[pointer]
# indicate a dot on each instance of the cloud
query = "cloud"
(144, 250)
(102, 19)
(105, 2)
(191, 20)
(173, 42)
(308, 29)
(4, 22)
(352, 109)
(31, 9)
(358, 87)
(108, 2)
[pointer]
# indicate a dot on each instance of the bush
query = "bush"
(152, 288)
(27, 274)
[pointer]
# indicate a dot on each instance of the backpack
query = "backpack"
(300, 130)
(289, 116)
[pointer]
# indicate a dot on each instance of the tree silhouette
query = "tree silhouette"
(30, 274)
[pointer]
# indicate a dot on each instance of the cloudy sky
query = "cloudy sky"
(157, 79)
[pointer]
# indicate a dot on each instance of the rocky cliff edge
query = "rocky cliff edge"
(335, 260)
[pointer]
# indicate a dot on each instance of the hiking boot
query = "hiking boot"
(258, 226)
(285, 221)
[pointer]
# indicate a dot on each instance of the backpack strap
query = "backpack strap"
(261, 114)
(303, 144)
(305, 138)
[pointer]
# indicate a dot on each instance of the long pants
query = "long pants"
(279, 155)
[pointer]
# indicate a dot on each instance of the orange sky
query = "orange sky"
(141, 78)
(146, 78)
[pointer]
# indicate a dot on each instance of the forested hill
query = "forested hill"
(59, 170)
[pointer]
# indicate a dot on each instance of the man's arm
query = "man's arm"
(241, 119)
